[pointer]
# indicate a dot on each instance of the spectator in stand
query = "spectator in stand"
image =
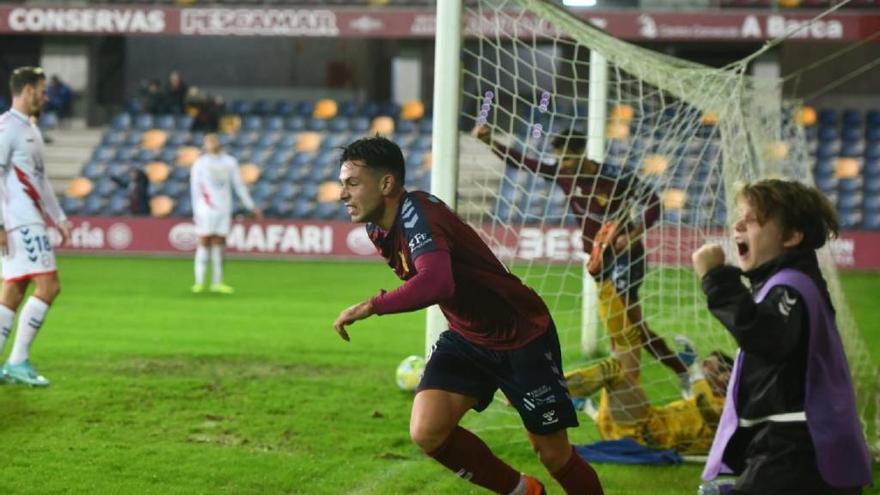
(176, 93)
(205, 110)
(60, 97)
(136, 183)
(154, 100)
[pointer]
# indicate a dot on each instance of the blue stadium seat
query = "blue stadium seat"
(260, 156)
(826, 183)
(274, 123)
(297, 174)
(295, 123)
(268, 139)
(179, 138)
(871, 221)
(143, 122)
(252, 123)
(828, 117)
(164, 122)
(168, 155)
(359, 124)
(93, 170)
(850, 219)
(180, 174)
(121, 122)
(155, 188)
(303, 208)
(333, 141)
(288, 191)
(872, 134)
(370, 109)
(338, 124)
(262, 107)
(847, 186)
(851, 134)
(406, 127)
(262, 190)
(183, 207)
(303, 160)
(280, 157)
(390, 109)
(423, 143)
(853, 149)
(240, 107)
(828, 134)
(347, 109)
(327, 211)
(426, 125)
(871, 203)
(873, 118)
(852, 117)
(871, 167)
(849, 200)
(283, 108)
(183, 122)
(243, 139)
(144, 156)
(826, 149)
(872, 150)
(118, 205)
(133, 138)
(125, 154)
(72, 206)
(316, 125)
(113, 138)
(94, 205)
(871, 186)
(280, 208)
(304, 108)
(117, 169)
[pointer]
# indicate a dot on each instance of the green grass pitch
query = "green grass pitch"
(159, 391)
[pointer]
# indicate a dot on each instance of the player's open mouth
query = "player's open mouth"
(742, 248)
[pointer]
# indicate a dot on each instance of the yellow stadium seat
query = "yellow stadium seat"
(789, 4)
(329, 192)
(673, 199)
(617, 129)
(622, 112)
(655, 164)
(154, 139)
(187, 155)
(161, 206)
(412, 110)
(382, 125)
(325, 109)
(709, 118)
(157, 171)
(79, 187)
(805, 116)
(230, 124)
(308, 142)
(427, 160)
(846, 168)
(249, 173)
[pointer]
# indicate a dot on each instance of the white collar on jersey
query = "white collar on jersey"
(20, 115)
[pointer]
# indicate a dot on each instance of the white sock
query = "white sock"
(7, 316)
(217, 266)
(201, 264)
(520, 488)
(29, 324)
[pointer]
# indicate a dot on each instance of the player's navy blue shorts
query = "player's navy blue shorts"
(530, 377)
(626, 271)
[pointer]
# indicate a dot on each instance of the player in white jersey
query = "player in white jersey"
(212, 179)
(27, 202)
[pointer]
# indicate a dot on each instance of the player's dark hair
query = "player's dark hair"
(377, 153)
(797, 208)
(570, 142)
(25, 76)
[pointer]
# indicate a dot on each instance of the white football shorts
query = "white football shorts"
(29, 253)
(212, 223)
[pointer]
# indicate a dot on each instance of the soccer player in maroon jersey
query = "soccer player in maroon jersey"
(599, 194)
(500, 332)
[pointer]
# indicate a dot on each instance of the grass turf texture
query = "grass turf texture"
(157, 390)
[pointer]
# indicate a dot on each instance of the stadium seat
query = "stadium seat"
(359, 124)
(412, 110)
(846, 168)
(274, 123)
(850, 219)
(252, 123)
(325, 109)
(871, 221)
(79, 188)
(72, 206)
(308, 142)
(164, 122)
(154, 139)
(333, 141)
(143, 122)
(347, 109)
(94, 205)
(134, 138)
(261, 107)
(828, 117)
(871, 203)
(295, 123)
(849, 200)
(179, 174)
(370, 109)
(852, 134)
(338, 124)
(118, 204)
(406, 127)
(161, 206)
(243, 139)
(230, 124)
(873, 118)
(849, 185)
(871, 186)
(121, 122)
(240, 107)
(283, 108)
(426, 125)
(183, 122)
(828, 133)
(316, 125)
(303, 208)
(126, 154)
(279, 208)
(249, 173)
(304, 108)
(186, 156)
(852, 118)
(183, 207)
(113, 138)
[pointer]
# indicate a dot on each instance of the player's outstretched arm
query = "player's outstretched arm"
(348, 316)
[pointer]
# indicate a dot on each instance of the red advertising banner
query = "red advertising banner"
(636, 25)
(341, 240)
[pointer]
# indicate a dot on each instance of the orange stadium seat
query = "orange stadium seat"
(777, 151)
(250, 173)
(79, 188)
(157, 171)
(655, 164)
(154, 139)
(325, 109)
(673, 199)
(847, 168)
(161, 206)
(187, 155)
(709, 118)
(412, 110)
(329, 192)
(622, 112)
(382, 125)
(230, 124)
(806, 116)
(617, 129)
(427, 160)
(308, 142)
